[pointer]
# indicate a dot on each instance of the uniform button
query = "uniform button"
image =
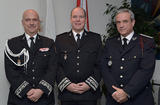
(122, 59)
(77, 57)
(33, 85)
(77, 71)
(33, 78)
(32, 63)
(78, 51)
(121, 85)
(121, 67)
(33, 70)
(121, 76)
(77, 64)
(45, 55)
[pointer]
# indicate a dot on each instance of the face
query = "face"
(78, 20)
(31, 22)
(124, 23)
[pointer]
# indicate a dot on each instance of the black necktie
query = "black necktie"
(32, 43)
(78, 39)
(125, 43)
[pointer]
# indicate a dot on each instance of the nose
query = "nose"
(78, 18)
(31, 22)
(121, 25)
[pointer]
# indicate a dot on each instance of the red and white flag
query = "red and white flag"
(84, 4)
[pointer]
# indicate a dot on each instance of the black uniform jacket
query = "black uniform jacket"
(39, 72)
(78, 64)
(130, 69)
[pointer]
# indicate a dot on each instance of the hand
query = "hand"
(34, 94)
(72, 88)
(119, 95)
(83, 87)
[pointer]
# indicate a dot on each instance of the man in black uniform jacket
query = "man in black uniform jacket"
(128, 64)
(30, 65)
(78, 74)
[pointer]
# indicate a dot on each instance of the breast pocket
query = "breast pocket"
(43, 57)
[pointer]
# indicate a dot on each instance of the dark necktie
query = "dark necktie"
(78, 39)
(32, 43)
(125, 43)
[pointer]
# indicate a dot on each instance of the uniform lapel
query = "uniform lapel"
(133, 42)
(24, 42)
(71, 39)
(38, 43)
(118, 44)
(84, 38)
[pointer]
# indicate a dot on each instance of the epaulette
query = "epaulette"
(146, 36)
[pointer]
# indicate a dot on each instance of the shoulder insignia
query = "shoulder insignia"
(146, 36)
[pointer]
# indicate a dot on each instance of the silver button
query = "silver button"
(121, 67)
(121, 85)
(77, 64)
(121, 76)
(33, 70)
(77, 71)
(122, 59)
(33, 77)
(32, 63)
(45, 55)
(33, 85)
(78, 51)
(77, 57)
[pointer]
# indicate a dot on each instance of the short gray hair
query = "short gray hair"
(125, 10)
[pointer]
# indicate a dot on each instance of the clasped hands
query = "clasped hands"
(34, 94)
(119, 95)
(78, 88)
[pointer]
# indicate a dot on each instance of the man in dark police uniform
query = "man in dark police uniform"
(78, 75)
(128, 64)
(30, 65)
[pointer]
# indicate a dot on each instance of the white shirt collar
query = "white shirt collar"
(128, 37)
(74, 34)
(28, 39)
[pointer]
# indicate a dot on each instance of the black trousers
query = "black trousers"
(79, 102)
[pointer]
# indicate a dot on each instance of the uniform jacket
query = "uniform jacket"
(78, 64)
(39, 73)
(130, 69)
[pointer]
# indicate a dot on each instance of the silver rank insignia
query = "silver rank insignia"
(65, 55)
(110, 61)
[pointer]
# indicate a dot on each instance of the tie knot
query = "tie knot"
(125, 40)
(78, 35)
(32, 38)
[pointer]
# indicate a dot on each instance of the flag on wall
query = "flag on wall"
(50, 30)
(84, 4)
